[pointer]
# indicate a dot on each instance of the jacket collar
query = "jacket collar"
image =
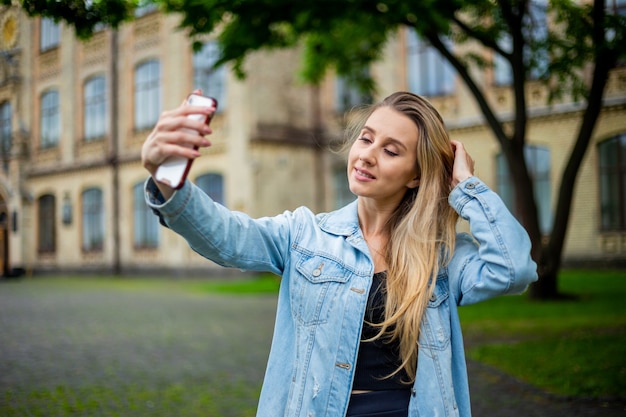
(344, 221)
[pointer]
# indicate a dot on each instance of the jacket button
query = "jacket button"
(317, 273)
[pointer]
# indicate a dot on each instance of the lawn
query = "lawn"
(571, 348)
(107, 346)
(574, 347)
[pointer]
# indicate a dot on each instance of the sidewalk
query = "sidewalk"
(54, 333)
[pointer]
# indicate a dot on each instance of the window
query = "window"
(502, 73)
(538, 163)
(50, 34)
(5, 134)
(428, 72)
(213, 186)
(212, 81)
(93, 220)
(535, 55)
(347, 96)
(90, 9)
(145, 225)
(147, 94)
(47, 227)
(341, 189)
(617, 6)
(612, 167)
(144, 8)
(95, 108)
(50, 119)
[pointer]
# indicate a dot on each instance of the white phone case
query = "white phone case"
(174, 169)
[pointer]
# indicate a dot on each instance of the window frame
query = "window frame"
(92, 220)
(94, 108)
(147, 94)
(341, 187)
(211, 80)
(616, 173)
(423, 62)
(212, 183)
(541, 179)
(49, 119)
(146, 226)
(46, 223)
(49, 34)
(6, 133)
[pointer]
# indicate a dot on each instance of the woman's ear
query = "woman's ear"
(414, 183)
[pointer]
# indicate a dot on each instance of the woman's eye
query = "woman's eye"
(364, 139)
(390, 153)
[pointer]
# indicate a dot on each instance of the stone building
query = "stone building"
(74, 114)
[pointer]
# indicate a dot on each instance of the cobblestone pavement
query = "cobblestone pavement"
(59, 332)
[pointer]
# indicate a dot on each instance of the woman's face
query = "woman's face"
(382, 163)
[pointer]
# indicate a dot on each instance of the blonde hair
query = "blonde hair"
(421, 230)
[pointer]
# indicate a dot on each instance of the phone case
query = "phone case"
(173, 171)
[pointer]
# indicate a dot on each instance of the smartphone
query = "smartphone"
(174, 169)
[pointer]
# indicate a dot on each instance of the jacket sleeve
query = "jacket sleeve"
(495, 259)
(228, 238)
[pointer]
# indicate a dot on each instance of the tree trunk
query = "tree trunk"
(549, 262)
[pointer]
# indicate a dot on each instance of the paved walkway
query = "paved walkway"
(59, 333)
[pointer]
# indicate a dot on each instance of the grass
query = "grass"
(571, 348)
(265, 283)
(226, 400)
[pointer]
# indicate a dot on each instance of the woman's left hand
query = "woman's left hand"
(463, 167)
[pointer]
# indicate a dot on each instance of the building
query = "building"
(73, 117)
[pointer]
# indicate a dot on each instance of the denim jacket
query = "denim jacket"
(326, 271)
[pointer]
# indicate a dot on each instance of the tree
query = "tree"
(348, 35)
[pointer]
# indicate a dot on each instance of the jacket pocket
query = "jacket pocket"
(435, 329)
(316, 288)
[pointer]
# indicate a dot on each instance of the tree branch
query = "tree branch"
(479, 96)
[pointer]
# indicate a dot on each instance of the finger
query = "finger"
(170, 149)
(176, 121)
(183, 137)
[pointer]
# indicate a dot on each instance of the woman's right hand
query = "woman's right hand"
(175, 134)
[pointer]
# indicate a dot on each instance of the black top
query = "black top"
(379, 358)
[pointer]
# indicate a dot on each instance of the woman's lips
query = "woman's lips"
(364, 174)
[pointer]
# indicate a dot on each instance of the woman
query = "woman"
(367, 320)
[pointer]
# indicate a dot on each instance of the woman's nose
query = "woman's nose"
(366, 156)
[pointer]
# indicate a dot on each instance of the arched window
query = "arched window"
(538, 163)
(50, 119)
(145, 223)
(94, 121)
(428, 72)
(213, 186)
(212, 81)
(93, 220)
(46, 242)
(147, 94)
(612, 175)
(5, 133)
(348, 95)
(49, 34)
(341, 189)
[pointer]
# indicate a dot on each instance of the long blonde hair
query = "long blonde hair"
(421, 230)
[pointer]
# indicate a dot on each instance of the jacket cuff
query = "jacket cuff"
(465, 191)
(165, 209)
